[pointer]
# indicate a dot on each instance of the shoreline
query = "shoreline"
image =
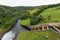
(5, 31)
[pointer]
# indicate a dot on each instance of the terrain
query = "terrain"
(30, 16)
(38, 35)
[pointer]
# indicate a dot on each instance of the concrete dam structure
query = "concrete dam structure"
(45, 26)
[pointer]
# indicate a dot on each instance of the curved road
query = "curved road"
(13, 33)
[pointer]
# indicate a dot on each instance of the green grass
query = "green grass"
(32, 12)
(25, 22)
(53, 12)
(38, 35)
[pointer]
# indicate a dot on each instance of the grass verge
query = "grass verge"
(38, 35)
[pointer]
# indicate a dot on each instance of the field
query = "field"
(38, 35)
(25, 22)
(54, 13)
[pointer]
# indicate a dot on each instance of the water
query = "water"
(12, 34)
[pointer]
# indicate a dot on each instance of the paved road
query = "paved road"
(13, 33)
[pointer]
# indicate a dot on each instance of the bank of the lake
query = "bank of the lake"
(13, 33)
(2, 32)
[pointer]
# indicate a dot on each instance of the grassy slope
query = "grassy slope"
(38, 35)
(25, 22)
(54, 12)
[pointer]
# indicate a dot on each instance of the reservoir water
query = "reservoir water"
(13, 33)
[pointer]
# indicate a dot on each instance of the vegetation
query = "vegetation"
(44, 14)
(29, 15)
(52, 14)
(26, 22)
(6, 17)
(38, 35)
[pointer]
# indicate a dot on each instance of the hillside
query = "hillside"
(54, 14)
(28, 15)
(44, 14)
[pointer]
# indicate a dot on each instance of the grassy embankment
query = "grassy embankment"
(54, 13)
(38, 35)
(25, 22)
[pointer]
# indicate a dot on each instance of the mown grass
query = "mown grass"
(53, 12)
(25, 22)
(38, 35)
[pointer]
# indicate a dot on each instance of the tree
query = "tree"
(49, 17)
(1, 21)
(35, 19)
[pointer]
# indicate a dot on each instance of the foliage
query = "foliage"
(35, 14)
